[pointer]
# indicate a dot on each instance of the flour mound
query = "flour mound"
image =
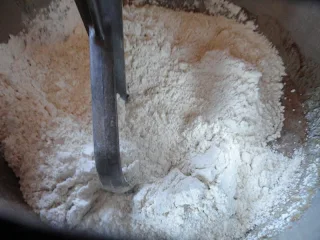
(204, 102)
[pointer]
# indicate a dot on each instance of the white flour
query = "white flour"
(204, 102)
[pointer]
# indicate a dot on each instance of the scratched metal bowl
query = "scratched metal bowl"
(292, 26)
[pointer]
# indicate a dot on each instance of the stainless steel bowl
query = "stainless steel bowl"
(292, 26)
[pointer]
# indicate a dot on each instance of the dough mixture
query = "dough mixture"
(204, 104)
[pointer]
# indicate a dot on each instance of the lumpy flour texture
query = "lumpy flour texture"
(204, 103)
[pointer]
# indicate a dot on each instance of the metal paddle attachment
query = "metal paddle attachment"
(103, 21)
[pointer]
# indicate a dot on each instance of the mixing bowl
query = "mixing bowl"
(292, 26)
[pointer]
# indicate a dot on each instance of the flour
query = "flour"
(204, 103)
